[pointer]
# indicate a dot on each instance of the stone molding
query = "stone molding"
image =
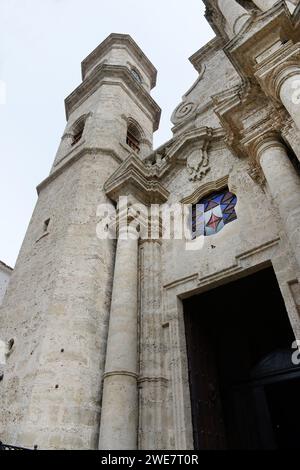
(283, 64)
(163, 380)
(5, 267)
(193, 136)
(215, 19)
(78, 153)
(116, 75)
(198, 58)
(123, 41)
(236, 28)
(256, 143)
(121, 373)
(187, 108)
(205, 189)
(265, 142)
(260, 25)
(134, 177)
(144, 178)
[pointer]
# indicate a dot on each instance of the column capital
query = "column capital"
(132, 218)
(271, 140)
(128, 232)
(275, 70)
(280, 74)
(258, 144)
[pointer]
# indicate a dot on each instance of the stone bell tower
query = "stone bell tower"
(55, 316)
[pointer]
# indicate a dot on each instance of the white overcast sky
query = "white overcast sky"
(42, 44)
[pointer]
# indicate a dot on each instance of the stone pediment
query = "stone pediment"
(181, 151)
(136, 178)
(145, 178)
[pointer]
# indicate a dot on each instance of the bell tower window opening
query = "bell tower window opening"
(78, 132)
(46, 225)
(136, 75)
(133, 138)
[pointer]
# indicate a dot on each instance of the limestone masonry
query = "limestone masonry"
(98, 349)
(5, 273)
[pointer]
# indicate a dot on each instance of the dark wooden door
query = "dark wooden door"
(208, 424)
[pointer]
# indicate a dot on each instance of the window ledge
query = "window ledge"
(75, 147)
(43, 236)
(128, 148)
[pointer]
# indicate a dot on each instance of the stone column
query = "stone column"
(288, 88)
(234, 14)
(284, 184)
(119, 416)
(152, 382)
(265, 5)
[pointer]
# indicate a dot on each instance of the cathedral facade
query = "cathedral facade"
(126, 335)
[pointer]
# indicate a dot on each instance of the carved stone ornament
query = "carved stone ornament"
(198, 163)
(185, 109)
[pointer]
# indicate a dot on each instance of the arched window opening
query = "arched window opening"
(133, 137)
(248, 4)
(213, 212)
(136, 75)
(78, 131)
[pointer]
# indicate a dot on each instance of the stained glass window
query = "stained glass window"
(213, 212)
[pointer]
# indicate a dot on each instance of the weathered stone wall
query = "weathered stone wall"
(256, 239)
(223, 97)
(5, 274)
(216, 74)
(57, 312)
(57, 306)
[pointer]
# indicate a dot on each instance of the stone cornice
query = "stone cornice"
(261, 24)
(121, 40)
(228, 99)
(205, 52)
(243, 49)
(194, 135)
(112, 74)
(228, 106)
(205, 189)
(215, 19)
(177, 151)
(134, 177)
(260, 139)
(245, 111)
(282, 64)
(255, 145)
(5, 267)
